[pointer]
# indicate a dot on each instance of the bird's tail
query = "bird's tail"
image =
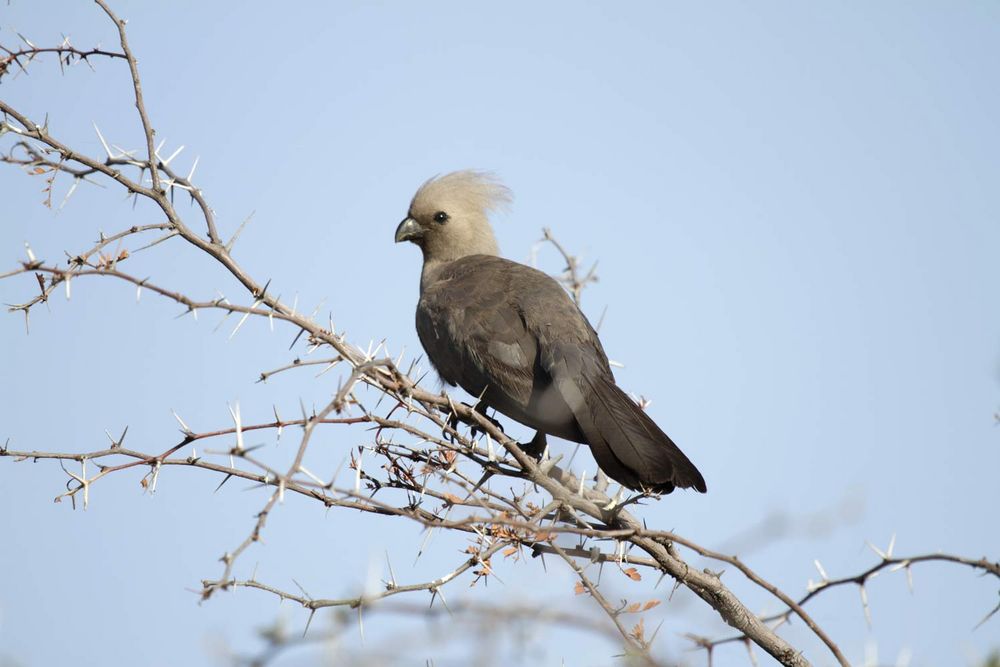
(627, 443)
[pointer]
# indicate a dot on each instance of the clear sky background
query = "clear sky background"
(796, 212)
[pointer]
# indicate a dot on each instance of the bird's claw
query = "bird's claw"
(536, 448)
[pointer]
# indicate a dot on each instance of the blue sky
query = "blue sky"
(795, 213)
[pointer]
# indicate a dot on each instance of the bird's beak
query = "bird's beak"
(408, 230)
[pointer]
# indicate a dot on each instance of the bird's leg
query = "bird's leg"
(452, 423)
(536, 448)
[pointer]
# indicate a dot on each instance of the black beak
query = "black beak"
(408, 230)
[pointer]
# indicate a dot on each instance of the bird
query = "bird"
(511, 335)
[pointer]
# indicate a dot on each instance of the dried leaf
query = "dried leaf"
(634, 607)
(38, 170)
(650, 605)
(509, 551)
(453, 499)
(633, 574)
(579, 588)
(638, 631)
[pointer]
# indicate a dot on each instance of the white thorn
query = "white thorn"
(876, 550)
(239, 426)
(107, 149)
(193, 167)
(173, 155)
(156, 476)
(546, 465)
(129, 154)
(616, 499)
(69, 193)
(311, 476)
(25, 39)
(243, 319)
(86, 485)
(184, 427)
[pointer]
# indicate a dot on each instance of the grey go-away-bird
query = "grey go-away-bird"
(511, 336)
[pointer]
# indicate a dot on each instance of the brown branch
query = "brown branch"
(65, 51)
(635, 645)
(140, 105)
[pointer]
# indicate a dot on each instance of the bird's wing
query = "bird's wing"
(473, 332)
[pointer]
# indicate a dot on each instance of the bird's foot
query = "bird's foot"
(536, 448)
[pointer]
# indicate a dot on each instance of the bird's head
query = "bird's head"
(449, 215)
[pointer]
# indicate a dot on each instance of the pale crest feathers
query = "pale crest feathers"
(468, 192)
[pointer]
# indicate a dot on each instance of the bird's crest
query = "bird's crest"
(473, 191)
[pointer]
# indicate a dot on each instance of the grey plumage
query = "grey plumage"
(511, 335)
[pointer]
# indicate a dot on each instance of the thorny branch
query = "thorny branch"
(473, 622)
(68, 54)
(420, 460)
(572, 278)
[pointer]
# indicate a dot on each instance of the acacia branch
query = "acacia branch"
(140, 105)
(436, 463)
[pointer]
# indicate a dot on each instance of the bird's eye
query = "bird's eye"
(441, 217)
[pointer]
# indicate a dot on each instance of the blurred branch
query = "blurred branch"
(474, 623)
